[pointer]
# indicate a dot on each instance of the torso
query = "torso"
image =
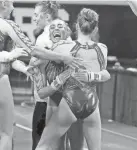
(82, 97)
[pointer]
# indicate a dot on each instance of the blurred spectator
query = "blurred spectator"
(117, 65)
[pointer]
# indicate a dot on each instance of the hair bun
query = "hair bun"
(88, 20)
(53, 5)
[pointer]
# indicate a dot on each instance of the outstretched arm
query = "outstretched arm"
(13, 30)
(19, 66)
(12, 55)
(133, 5)
(4, 56)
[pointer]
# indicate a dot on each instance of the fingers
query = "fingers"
(21, 51)
(80, 76)
(31, 70)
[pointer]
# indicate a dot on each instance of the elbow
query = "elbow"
(107, 77)
(42, 95)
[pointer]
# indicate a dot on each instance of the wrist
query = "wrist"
(10, 57)
(94, 76)
(56, 84)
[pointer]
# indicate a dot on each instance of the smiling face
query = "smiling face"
(58, 31)
(40, 18)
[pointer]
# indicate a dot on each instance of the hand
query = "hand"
(37, 52)
(61, 79)
(81, 76)
(18, 52)
(29, 72)
(73, 62)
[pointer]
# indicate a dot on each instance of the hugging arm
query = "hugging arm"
(13, 30)
(91, 76)
(55, 85)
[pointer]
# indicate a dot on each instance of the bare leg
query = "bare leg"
(51, 108)
(57, 126)
(75, 135)
(6, 114)
(92, 130)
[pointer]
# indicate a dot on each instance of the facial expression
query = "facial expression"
(40, 18)
(8, 8)
(58, 31)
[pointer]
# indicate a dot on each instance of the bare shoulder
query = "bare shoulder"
(6, 25)
(65, 47)
(103, 48)
(3, 26)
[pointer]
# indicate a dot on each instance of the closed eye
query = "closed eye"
(52, 26)
(60, 26)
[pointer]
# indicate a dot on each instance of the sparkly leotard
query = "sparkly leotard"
(52, 70)
(81, 98)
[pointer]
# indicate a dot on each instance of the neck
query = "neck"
(83, 39)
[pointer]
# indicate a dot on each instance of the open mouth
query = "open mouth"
(57, 35)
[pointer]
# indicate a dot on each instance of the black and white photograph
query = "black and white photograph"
(68, 75)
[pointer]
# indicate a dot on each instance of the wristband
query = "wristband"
(59, 81)
(93, 76)
(56, 84)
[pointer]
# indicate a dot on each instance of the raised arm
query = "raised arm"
(13, 30)
(133, 5)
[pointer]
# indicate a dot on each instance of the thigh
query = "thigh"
(92, 130)
(6, 106)
(59, 123)
(51, 108)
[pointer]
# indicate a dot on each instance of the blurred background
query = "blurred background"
(118, 30)
(118, 96)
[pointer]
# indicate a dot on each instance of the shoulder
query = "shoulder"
(103, 48)
(64, 46)
(11, 23)
(4, 25)
(8, 26)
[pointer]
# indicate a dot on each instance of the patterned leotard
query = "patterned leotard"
(82, 97)
(52, 70)
(80, 102)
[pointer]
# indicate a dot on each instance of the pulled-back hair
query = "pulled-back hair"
(4, 3)
(87, 20)
(50, 7)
